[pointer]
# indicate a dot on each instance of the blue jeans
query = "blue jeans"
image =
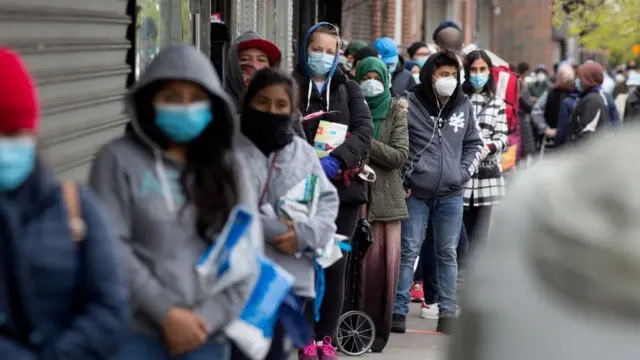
(446, 219)
(138, 346)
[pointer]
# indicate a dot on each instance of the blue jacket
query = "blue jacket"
(72, 295)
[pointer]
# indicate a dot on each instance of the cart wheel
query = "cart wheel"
(356, 333)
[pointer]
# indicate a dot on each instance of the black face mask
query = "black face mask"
(268, 131)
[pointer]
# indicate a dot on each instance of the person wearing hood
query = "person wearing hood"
(542, 83)
(486, 187)
(414, 68)
(547, 110)
(386, 208)
(62, 295)
(560, 278)
(325, 88)
(249, 53)
(401, 79)
(170, 185)
(444, 152)
(279, 161)
(591, 112)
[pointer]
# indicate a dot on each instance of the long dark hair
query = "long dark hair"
(490, 86)
(207, 179)
(268, 77)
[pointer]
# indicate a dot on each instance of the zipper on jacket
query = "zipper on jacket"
(441, 160)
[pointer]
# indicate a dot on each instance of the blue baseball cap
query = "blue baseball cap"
(388, 50)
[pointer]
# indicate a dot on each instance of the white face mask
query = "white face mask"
(416, 77)
(541, 77)
(445, 86)
(372, 88)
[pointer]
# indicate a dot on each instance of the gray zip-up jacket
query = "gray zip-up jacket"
(441, 161)
(293, 164)
(139, 186)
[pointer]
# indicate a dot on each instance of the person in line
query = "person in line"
(279, 161)
(386, 208)
(62, 294)
(324, 87)
(547, 110)
(485, 189)
(414, 68)
(419, 52)
(591, 112)
(551, 278)
(169, 185)
(249, 53)
(364, 53)
(621, 94)
(401, 79)
(447, 36)
(350, 53)
(542, 84)
(444, 152)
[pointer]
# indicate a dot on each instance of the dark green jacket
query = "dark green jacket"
(388, 157)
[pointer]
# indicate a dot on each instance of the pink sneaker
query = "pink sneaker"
(309, 352)
(327, 349)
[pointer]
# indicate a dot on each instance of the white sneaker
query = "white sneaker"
(432, 311)
(429, 311)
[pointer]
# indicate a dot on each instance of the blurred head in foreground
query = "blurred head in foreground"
(560, 275)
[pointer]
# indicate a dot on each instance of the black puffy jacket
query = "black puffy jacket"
(347, 99)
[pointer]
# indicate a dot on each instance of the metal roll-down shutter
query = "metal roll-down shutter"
(77, 53)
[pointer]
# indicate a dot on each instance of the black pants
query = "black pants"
(426, 270)
(476, 219)
(334, 277)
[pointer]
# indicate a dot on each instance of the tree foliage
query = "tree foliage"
(602, 24)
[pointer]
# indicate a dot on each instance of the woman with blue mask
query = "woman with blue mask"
(62, 295)
(325, 88)
(486, 187)
(169, 185)
(387, 207)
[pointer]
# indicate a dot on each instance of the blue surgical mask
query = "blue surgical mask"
(320, 63)
(478, 81)
(392, 67)
(422, 60)
(579, 85)
(183, 123)
(17, 160)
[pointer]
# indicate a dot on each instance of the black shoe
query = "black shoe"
(445, 325)
(399, 324)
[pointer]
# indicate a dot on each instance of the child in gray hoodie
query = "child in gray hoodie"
(279, 161)
(169, 184)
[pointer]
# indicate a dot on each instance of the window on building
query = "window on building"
(160, 23)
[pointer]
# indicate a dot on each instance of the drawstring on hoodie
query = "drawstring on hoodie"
(164, 183)
(328, 86)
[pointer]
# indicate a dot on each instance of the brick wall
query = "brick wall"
(523, 32)
(389, 18)
(357, 21)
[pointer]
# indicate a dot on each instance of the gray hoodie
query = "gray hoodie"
(295, 162)
(139, 186)
(234, 82)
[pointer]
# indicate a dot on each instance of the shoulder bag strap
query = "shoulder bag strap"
(74, 212)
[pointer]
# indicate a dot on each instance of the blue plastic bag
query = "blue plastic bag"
(253, 331)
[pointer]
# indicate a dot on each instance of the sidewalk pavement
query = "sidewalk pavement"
(421, 342)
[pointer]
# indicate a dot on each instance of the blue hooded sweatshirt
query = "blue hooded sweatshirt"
(304, 58)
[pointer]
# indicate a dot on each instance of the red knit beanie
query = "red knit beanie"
(19, 108)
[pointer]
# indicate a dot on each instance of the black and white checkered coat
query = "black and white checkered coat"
(486, 186)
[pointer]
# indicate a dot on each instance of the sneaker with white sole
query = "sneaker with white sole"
(429, 311)
(432, 312)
